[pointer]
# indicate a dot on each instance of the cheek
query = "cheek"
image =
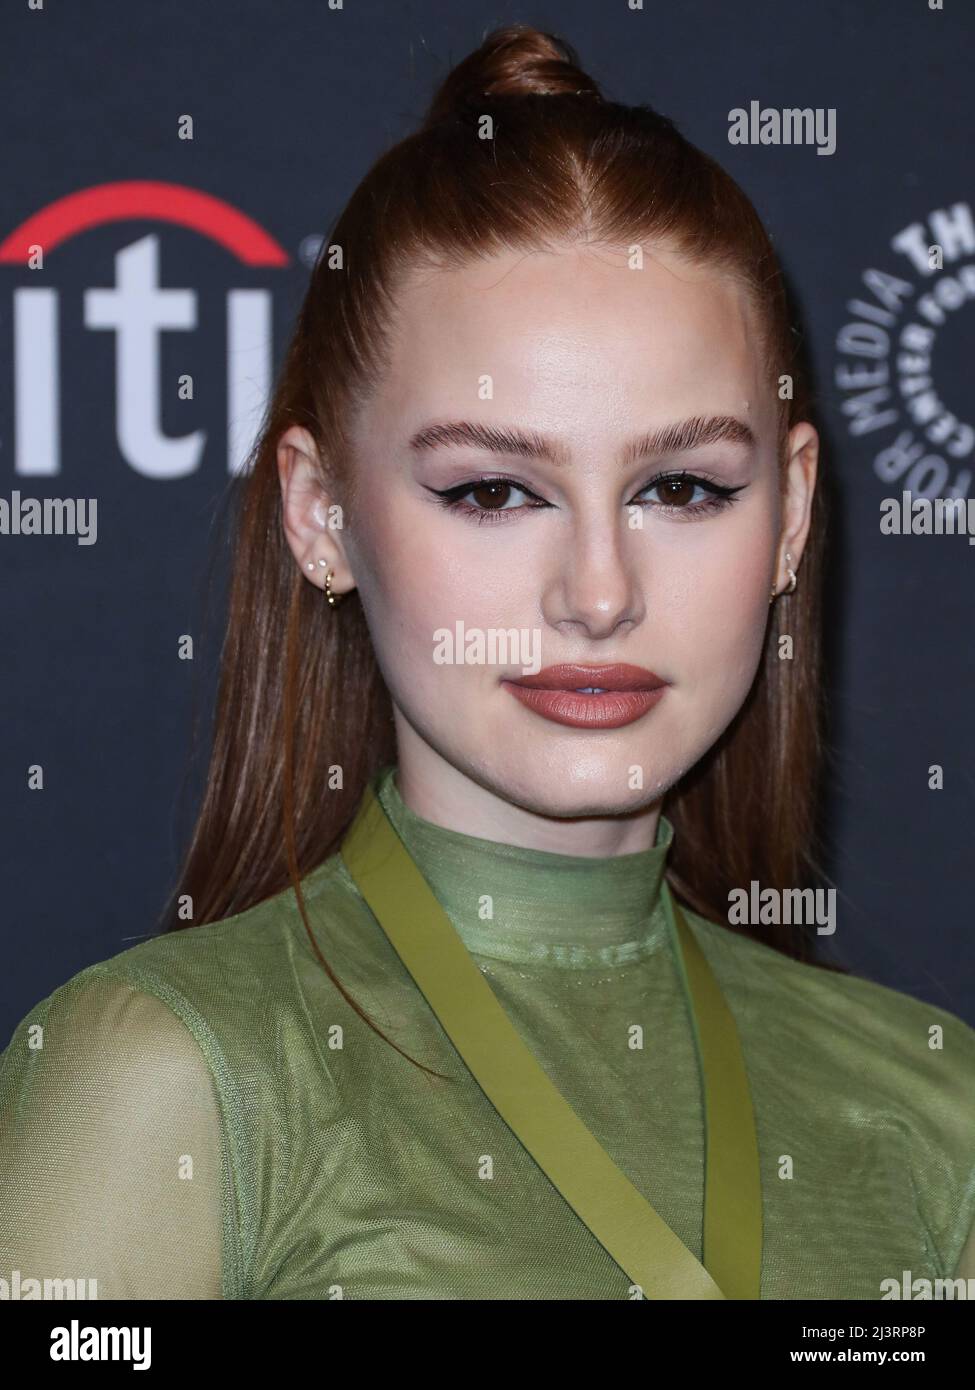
(721, 613)
(415, 576)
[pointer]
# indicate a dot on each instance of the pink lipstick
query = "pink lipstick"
(589, 697)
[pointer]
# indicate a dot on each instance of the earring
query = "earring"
(333, 599)
(793, 581)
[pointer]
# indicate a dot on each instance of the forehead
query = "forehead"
(575, 339)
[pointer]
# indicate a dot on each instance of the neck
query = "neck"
(440, 793)
(535, 907)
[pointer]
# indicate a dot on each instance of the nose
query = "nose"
(595, 586)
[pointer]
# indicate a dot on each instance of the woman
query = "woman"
(529, 554)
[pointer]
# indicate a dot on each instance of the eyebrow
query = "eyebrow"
(676, 438)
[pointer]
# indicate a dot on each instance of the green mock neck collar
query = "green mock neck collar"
(557, 910)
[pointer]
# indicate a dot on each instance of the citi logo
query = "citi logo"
(137, 309)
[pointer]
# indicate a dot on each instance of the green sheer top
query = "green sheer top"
(205, 1115)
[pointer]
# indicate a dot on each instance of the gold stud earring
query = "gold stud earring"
(790, 588)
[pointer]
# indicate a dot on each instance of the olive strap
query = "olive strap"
(617, 1214)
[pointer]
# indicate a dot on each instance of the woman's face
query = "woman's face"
(551, 371)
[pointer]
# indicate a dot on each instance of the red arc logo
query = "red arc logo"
(164, 202)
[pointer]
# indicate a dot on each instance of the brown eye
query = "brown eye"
(675, 492)
(491, 495)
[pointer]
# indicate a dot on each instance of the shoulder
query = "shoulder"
(869, 1020)
(851, 1036)
(105, 1099)
(104, 1046)
(101, 1031)
(894, 1074)
(233, 970)
(183, 1043)
(785, 982)
(222, 990)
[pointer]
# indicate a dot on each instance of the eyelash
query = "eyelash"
(721, 497)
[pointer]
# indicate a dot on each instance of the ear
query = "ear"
(312, 519)
(799, 485)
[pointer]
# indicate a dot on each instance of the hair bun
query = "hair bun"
(514, 61)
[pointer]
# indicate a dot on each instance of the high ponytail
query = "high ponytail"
(516, 61)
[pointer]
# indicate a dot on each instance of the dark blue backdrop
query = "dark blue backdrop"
(289, 103)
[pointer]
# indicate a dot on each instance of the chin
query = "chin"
(569, 792)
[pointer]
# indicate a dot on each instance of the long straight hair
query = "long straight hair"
(519, 150)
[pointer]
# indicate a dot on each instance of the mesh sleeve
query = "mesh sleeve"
(110, 1148)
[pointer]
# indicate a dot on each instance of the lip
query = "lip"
(629, 692)
(570, 675)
